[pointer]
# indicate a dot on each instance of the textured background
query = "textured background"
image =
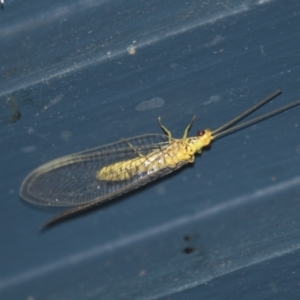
(86, 73)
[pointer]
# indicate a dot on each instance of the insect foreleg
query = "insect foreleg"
(169, 134)
(188, 128)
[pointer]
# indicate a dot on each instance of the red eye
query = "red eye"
(200, 132)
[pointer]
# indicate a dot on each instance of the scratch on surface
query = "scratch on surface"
(212, 99)
(261, 2)
(52, 102)
(61, 69)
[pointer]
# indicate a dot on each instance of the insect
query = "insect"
(89, 178)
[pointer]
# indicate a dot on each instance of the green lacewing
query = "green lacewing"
(86, 179)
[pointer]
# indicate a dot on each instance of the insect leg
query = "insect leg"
(133, 148)
(188, 128)
(169, 134)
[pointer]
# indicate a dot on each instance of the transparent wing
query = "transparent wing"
(71, 180)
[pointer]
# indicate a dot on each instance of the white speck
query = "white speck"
(30, 130)
(28, 149)
(161, 190)
(65, 135)
(131, 50)
(151, 104)
(142, 273)
(215, 41)
(219, 51)
(173, 65)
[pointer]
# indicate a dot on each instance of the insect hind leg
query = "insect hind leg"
(133, 148)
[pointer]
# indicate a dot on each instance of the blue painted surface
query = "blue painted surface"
(226, 227)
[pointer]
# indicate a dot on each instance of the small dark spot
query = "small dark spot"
(188, 250)
(13, 106)
(187, 237)
(15, 116)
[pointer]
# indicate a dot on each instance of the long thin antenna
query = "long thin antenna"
(256, 120)
(247, 112)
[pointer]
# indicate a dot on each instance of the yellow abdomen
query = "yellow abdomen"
(179, 151)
